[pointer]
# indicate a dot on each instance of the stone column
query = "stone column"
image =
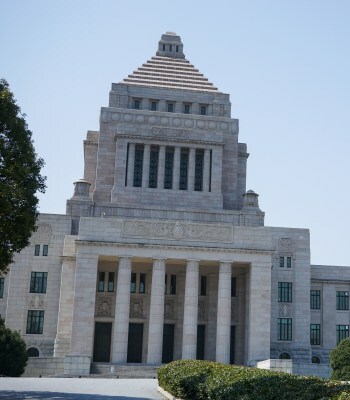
(145, 166)
(122, 309)
(131, 161)
(84, 304)
(191, 168)
(156, 314)
(120, 163)
(259, 312)
(176, 168)
(216, 169)
(161, 167)
(206, 172)
(223, 325)
(189, 338)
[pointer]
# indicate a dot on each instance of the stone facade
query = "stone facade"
(162, 253)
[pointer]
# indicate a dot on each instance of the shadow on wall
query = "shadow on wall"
(27, 395)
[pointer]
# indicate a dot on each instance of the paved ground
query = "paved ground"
(78, 389)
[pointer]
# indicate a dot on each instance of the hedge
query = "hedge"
(207, 380)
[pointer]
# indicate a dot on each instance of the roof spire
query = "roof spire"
(170, 45)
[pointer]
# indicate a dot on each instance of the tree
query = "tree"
(340, 361)
(20, 179)
(13, 356)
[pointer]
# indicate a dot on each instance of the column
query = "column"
(223, 325)
(161, 166)
(176, 168)
(122, 309)
(216, 169)
(189, 338)
(145, 165)
(206, 172)
(191, 168)
(131, 161)
(156, 314)
(120, 162)
(259, 312)
(84, 304)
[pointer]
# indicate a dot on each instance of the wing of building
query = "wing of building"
(163, 253)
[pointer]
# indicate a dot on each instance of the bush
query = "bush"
(206, 380)
(13, 357)
(340, 361)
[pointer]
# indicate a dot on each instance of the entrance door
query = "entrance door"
(232, 345)
(168, 343)
(200, 342)
(102, 342)
(135, 339)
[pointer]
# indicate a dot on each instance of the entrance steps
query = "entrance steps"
(124, 371)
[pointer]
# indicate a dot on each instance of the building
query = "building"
(163, 253)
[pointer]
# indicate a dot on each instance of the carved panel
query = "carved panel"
(286, 244)
(201, 310)
(170, 132)
(42, 234)
(136, 307)
(169, 309)
(36, 301)
(285, 310)
(104, 306)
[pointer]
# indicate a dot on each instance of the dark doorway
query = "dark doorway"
(102, 342)
(135, 339)
(168, 343)
(200, 342)
(232, 345)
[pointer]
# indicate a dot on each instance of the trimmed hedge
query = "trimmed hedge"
(340, 361)
(207, 380)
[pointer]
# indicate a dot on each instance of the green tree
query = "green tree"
(340, 361)
(20, 179)
(13, 356)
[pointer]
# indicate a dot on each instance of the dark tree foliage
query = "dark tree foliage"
(13, 356)
(340, 361)
(20, 179)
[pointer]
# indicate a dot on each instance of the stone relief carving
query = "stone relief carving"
(178, 231)
(104, 306)
(136, 307)
(36, 301)
(285, 310)
(201, 310)
(286, 244)
(172, 132)
(169, 309)
(43, 233)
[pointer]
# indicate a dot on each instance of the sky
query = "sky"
(285, 64)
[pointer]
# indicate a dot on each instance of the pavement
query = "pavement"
(78, 389)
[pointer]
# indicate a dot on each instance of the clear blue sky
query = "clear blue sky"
(286, 65)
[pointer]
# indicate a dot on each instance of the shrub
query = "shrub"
(13, 357)
(340, 361)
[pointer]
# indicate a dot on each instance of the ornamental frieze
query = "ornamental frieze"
(104, 306)
(36, 301)
(285, 310)
(286, 244)
(171, 132)
(169, 309)
(136, 307)
(178, 231)
(42, 234)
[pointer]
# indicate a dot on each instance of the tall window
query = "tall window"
(284, 329)
(285, 292)
(138, 164)
(101, 282)
(172, 284)
(45, 250)
(168, 172)
(154, 105)
(153, 167)
(110, 281)
(203, 110)
(2, 284)
(142, 287)
(183, 169)
(37, 250)
(35, 322)
(137, 104)
(198, 171)
(233, 286)
(186, 108)
(342, 332)
(315, 334)
(342, 300)
(289, 262)
(170, 107)
(203, 290)
(38, 282)
(133, 283)
(315, 299)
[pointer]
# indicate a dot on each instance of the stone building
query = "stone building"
(163, 253)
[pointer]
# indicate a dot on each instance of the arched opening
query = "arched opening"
(285, 356)
(33, 352)
(315, 360)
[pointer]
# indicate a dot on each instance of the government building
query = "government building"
(163, 253)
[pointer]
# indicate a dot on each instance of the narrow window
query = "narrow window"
(101, 282)
(177, 49)
(153, 167)
(203, 285)
(153, 106)
(166, 284)
(281, 262)
(142, 287)
(173, 284)
(170, 107)
(35, 322)
(168, 171)
(183, 169)
(342, 332)
(126, 166)
(315, 299)
(138, 164)
(171, 47)
(285, 292)
(163, 47)
(203, 110)
(110, 281)
(342, 300)
(137, 104)
(198, 171)
(37, 250)
(233, 286)
(186, 109)
(315, 334)
(45, 250)
(284, 329)
(2, 284)
(38, 281)
(211, 163)
(133, 283)
(289, 262)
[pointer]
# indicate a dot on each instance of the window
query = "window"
(285, 292)
(154, 105)
(133, 283)
(289, 262)
(286, 261)
(168, 171)
(163, 47)
(172, 284)
(142, 287)
(153, 167)
(281, 262)
(35, 322)
(45, 250)
(285, 356)
(2, 284)
(170, 107)
(315, 299)
(138, 164)
(38, 282)
(203, 110)
(37, 250)
(233, 286)
(342, 300)
(315, 334)
(342, 332)
(284, 329)
(32, 352)
(111, 281)
(183, 169)
(177, 49)
(203, 290)
(198, 171)
(136, 104)
(315, 360)
(171, 47)
(101, 282)
(186, 108)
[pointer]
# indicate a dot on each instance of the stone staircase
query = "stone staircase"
(125, 371)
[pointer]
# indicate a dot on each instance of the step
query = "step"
(125, 371)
